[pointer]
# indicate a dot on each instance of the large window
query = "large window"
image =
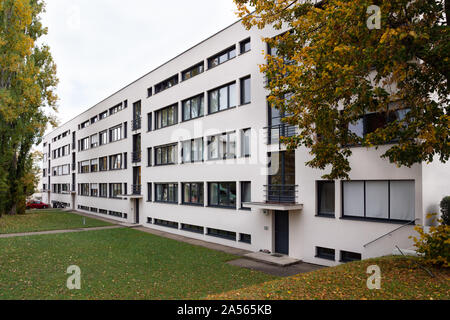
(193, 193)
(192, 150)
(94, 165)
(166, 192)
(84, 167)
(193, 107)
(222, 98)
(222, 57)
(83, 189)
(115, 190)
(193, 71)
(166, 84)
(94, 189)
(166, 117)
(379, 200)
(115, 162)
(325, 198)
(115, 134)
(222, 146)
(222, 194)
(246, 93)
(166, 155)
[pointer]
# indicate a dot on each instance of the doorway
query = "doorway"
(282, 232)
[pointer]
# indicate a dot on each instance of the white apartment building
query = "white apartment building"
(192, 148)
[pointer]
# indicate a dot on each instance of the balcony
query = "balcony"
(136, 124)
(137, 189)
(281, 193)
(275, 133)
(136, 157)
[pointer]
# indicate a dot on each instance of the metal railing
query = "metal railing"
(136, 157)
(275, 133)
(137, 124)
(136, 189)
(391, 232)
(281, 193)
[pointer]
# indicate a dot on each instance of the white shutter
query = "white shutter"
(402, 200)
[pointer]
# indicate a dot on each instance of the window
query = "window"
(222, 98)
(221, 234)
(166, 84)
(103, 164)
(379, 200)
(103, 190)
(325, 198)
(115, 190)
(94, 141)
(193, 107)
(166, 192)
(245, 238)
(222, 194)
(166, 155)
(193, 193)
(192, 150)
(103, 115)
(246, 95)
(166, 117)
(103, 137)
(115, 162)
(246, 148)
(84, 124)
(193, 71)
(94, 120)
(165, 223)
(94, 165)
(245, 46)
(94, 189)
(222, 57)
(115, 134)
(149, 157)
(246, 193)
(347, 256)
(83, 189)
(149, 121)
(149, 191)
(84, 144)
(222, 146)
(149, 92)
(84, 167)
(192, 228)
(325, 253)
(115, 109)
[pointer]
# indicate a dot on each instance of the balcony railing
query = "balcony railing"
(137, 189)
(137, 124)
(275, 133)
(136, 157)
(281, 193)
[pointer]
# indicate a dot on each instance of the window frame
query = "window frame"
(319, 197)
(228, 191)
(200, 196)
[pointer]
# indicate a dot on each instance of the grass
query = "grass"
(46, 220)
(401, 279)
(116, 264)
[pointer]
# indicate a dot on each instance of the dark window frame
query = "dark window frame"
(228, 188)
(228, 51)
(325, 253)
(200, 190)
(319, 198)
(200, 67)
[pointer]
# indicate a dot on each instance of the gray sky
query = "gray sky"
(102, 45)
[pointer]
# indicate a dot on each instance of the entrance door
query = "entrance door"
(136, 210)
(282, 232)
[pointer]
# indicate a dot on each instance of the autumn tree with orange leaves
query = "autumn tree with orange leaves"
(337, 68)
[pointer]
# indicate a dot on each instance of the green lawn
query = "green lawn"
(401, 279)
(45, 220)
(116, 264)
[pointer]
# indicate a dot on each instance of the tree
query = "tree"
(338, 69)
(27, 97)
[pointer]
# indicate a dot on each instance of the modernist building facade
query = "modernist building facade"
(193, 148)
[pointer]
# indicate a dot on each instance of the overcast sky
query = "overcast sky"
(102, 45)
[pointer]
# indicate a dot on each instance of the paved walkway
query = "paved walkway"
(37, 233)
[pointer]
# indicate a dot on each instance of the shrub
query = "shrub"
(435, 244)
(445, 210)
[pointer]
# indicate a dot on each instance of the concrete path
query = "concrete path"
(274, 270)
(26, 234)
